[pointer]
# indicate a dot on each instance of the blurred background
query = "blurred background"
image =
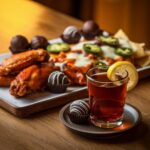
(28, 16)
(133, 16)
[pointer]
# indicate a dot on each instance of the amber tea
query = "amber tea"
(107, 98)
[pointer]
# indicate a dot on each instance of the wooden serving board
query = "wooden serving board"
(36, 102)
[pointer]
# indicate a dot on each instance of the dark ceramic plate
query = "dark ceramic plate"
(131, 118)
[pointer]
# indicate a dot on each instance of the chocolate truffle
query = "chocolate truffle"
(90, 29)
(79, 111)
(18, 44)
(57, 82)
(71, 35)
(39, 42)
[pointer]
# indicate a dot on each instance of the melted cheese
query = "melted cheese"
(124, 43)
(79, 46)
(82, 61)
(72, 55)
(109, 52)
(60, 65)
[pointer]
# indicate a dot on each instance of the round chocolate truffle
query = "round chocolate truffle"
(79, 111)
(90, 29)
(39, 42)
(18, 44)
(71, 35)
(57, 82)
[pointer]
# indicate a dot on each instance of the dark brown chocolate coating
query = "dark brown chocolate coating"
(39, 42)
(57, 82)
(71, 35)
(90, 29)
(19, 44)
(79, 111)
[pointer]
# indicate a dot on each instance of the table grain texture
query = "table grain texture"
(44, 131)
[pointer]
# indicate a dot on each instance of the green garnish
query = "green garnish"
(126, 52)
(58, 47)
(101, 64)
(92, 48)
(109, 40)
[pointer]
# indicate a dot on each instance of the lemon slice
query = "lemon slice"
(120, 67)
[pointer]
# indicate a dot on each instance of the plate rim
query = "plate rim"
(61, 117)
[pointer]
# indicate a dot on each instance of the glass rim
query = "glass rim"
(122, 79)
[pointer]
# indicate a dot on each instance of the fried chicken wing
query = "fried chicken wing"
(6, 80)
(76, 74)
(76, 78)
(17, 62)
(75, 64)
(31, 79)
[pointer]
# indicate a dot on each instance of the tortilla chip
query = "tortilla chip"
(144, 61)
(121, 34)
(138, 49)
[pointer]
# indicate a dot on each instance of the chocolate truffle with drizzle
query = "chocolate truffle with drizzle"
(71, 35)
(79, 111)
(57, 82)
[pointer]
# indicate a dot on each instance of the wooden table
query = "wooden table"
(44, 130)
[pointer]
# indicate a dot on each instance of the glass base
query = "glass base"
(106, 124)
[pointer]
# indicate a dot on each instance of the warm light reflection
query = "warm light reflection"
(18, 17)
(125, 126)
(30, 18)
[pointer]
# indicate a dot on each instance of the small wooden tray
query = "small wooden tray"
(36, 102)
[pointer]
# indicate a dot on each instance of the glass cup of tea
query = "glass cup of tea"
(107, 98)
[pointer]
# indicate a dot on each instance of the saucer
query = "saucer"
(131, 118)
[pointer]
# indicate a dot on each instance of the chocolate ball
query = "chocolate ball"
(71, 35)
(57, 82)
(18, 44)
(90, 29)
(79, 111)
(39, 42)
